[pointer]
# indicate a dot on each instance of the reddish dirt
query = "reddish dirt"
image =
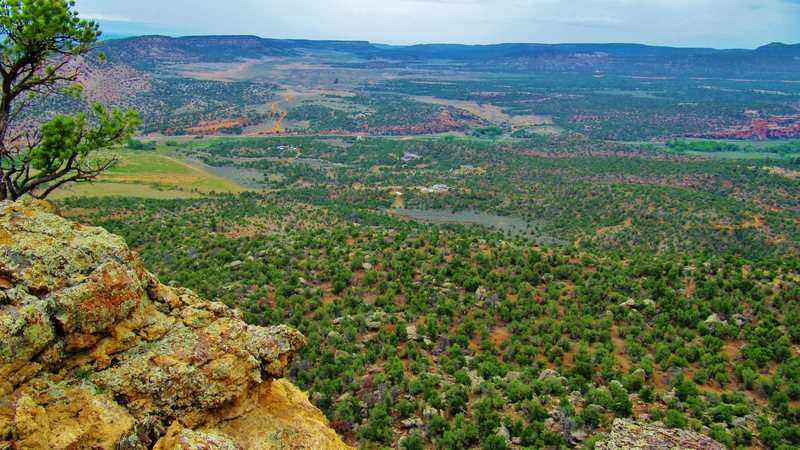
(212, 126)
(357, 276)
(758, 221)
(731, 348)
(499, 335)
(398, 202)
(660, 380)
(619, 350)
(569, 360)
(278, 128)
(327, 295)
(723, 227)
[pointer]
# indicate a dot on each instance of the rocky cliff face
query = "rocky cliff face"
(96, 353)
(629, 435)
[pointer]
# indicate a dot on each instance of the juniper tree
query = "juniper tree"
(40, 44)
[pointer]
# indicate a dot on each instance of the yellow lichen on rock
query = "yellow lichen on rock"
(629, 435)
(96, 353)
(179, 438)
(266, 428)
(81, 419)
(31, 425)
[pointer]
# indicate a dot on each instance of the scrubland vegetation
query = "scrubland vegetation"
(646, 284)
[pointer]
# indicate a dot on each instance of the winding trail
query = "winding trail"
(278, 128)
(398, 202)
(279, 124)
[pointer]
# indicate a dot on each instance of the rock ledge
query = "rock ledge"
(629, 435)
(96, 353)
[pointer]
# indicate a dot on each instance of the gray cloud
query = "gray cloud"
(715, 23)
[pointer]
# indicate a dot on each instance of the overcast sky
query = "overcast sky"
(706, 23)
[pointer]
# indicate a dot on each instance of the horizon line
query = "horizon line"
(120, 36)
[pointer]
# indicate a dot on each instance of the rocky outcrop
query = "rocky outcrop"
(629, 435)
(96, 353)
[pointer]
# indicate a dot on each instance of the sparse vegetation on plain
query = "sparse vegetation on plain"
(536, 290)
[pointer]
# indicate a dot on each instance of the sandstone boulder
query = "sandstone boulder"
(96, 353)
(628, 435)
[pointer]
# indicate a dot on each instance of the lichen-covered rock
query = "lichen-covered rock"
(267, 427)
(96, 353)
(179, 438)
(629, 435)
(31, 424)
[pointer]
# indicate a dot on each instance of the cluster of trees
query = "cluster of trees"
(788, 148)
(135, 144)
(703, 146)
(490, 132)
(459, 337)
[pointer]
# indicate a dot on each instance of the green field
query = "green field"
(738, 155)
(151, 174)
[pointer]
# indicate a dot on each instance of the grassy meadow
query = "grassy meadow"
(151, 174)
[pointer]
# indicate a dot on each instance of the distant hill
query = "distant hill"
(146, 52)
(778, 49)
(150, 52)
(251, 85)
(523, 50)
